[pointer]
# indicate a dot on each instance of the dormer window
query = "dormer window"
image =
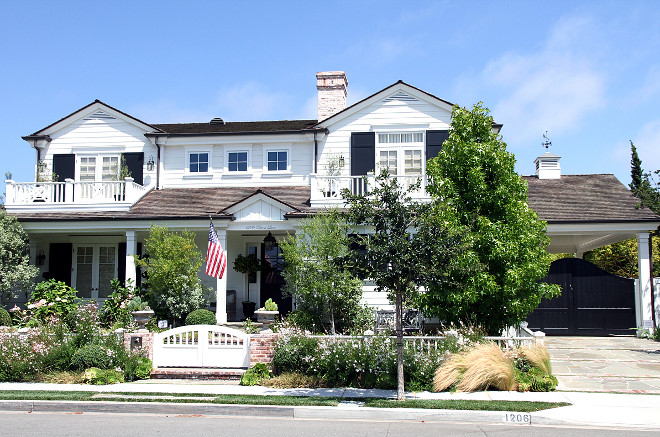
(278, 160)
(237, 161)
(198, 162)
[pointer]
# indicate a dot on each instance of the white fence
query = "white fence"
(202, 346)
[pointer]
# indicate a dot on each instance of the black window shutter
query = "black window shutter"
(434, 140)
(363, 153)
(60, 257)
(64, 166)
(121, 265)
(135, 163)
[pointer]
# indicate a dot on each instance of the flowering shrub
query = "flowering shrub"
(368, 362)
(115, 311)
(22, 355)
(52, 298)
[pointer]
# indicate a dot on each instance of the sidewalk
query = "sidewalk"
(597, 409)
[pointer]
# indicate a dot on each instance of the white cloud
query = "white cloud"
(553, 88)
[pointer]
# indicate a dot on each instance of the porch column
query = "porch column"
(221, 288)
(643, 257)
(131, 249)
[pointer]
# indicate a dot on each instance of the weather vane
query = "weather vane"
(547, 143)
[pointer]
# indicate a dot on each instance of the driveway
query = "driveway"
(605, 364)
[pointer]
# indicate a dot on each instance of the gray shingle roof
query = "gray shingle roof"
(584, 198)
(236, 127)
(571, 199)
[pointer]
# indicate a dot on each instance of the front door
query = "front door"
(272, 280)
(95, 265)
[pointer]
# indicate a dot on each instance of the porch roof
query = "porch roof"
(185, 203)
(591, 198)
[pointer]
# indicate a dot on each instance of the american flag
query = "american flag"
(215, 256)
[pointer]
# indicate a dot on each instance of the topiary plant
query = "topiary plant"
(5, 318)
(201, 317)
(91, 355)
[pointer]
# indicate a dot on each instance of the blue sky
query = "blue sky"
(587, 72)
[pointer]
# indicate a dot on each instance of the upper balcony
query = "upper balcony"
(326, 190)
(73, 195)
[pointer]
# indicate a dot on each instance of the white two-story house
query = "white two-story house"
(256, 180)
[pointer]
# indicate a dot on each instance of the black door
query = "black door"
(592, 302)
(272, 280)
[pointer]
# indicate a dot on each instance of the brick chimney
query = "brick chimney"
(332, 87)
(547, 166)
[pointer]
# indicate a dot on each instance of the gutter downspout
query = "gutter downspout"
(157, 163)
(36, 167)
(316, 153)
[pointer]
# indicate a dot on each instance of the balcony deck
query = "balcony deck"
(326, 190)
(73, 195)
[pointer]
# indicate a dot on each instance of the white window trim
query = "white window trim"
(98, 166)
(194, 174)
(400, 148)
(249, 162)
(267, 172)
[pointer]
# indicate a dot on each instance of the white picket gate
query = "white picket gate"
(202, 346)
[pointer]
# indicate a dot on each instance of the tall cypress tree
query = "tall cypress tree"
(636, 172)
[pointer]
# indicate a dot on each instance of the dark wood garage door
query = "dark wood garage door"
(592, 302)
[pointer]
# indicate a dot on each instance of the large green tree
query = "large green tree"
(16, 273)
(475, 187)
(323, 288)
(397, 247)
(172, 266)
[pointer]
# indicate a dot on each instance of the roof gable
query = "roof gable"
(397, 93)
(97, 110)
(258, 207)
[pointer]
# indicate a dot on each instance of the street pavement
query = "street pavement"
(609, 382)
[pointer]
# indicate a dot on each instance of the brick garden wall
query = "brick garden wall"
(262, 348)
(147, 342)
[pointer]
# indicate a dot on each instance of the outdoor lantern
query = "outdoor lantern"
(150, 163)
(269, 241)
(41, 258)
(341, 161)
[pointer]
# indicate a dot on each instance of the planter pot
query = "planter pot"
(142, 317)
(266, 317)
(248, 309)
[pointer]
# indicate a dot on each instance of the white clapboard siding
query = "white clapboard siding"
(398, 111)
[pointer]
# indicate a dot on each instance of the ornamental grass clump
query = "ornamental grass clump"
(488, 366)
(482, 367)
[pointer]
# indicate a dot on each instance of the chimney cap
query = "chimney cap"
(217, 120)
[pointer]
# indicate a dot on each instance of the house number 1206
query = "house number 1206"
(524, 418)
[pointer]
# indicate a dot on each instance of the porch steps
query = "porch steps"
(200, 373)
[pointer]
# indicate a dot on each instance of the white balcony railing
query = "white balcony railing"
(326, 190)
(24, 195)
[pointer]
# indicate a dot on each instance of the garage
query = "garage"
(592, 302)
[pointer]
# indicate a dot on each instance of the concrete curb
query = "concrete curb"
(309, 412)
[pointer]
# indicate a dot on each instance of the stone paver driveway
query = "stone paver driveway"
(605, 364)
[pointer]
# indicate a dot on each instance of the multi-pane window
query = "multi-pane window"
(106, 270)
(277, 160)
(409, 137)
(388, 161)
(110, 168)
(401, 153)
(199, 162)
(85, 260)
(237, 161)
(88, 169)
(412, 162)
